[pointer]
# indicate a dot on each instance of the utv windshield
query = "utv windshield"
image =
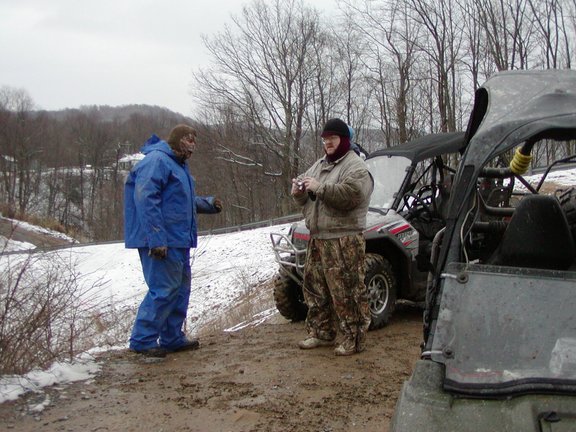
(388, 173)
(507, 330)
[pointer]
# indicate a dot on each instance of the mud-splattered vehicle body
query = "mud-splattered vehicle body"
(411, 189)
(500, 318)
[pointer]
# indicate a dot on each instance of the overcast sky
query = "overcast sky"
(68, 53)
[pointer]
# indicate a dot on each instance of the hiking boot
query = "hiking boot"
(360, 344)
(346, 348)
(189, 345)
(157, 352)
(313, 342)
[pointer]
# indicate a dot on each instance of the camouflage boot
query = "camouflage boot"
(360, 342)
(347, 347)
(312, 342)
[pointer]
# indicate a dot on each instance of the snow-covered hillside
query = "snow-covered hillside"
(225, 269)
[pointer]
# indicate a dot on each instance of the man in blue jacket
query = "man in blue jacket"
(160, 209)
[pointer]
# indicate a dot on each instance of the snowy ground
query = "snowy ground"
(224, 268)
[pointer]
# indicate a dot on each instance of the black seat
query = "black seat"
(538, 236)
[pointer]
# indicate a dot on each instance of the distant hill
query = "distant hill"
(121, 113)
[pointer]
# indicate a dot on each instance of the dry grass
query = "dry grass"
(253, 300)
(41, 221)
(45, 313)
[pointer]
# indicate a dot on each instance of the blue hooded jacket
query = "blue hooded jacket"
(355, 146)
(160, 204)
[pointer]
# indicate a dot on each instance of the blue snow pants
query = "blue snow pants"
(163, 311)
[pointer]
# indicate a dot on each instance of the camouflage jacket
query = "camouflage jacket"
(339, 206)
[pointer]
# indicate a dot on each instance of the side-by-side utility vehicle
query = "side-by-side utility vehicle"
(407, 208)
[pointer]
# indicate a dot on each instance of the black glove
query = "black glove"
(218, 205)
(158, 252)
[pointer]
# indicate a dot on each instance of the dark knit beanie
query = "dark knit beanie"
(178, 132)
(335, 126)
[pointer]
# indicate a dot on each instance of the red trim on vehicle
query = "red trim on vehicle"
(301, 236)
(400, 229)
(394, 231)
(374, 228)
(397, 230)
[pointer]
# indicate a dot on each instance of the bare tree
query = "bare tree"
(549, 18)
(20, 148)
(474, 44)
(389, 57)
(441, 43)
(263, 68)
(508, 31)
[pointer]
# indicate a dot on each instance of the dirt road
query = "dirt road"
(252, 380)
(13, 230)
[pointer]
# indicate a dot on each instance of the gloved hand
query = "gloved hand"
(298, 187)
(312, 184)
(158, 252)
(218, 204)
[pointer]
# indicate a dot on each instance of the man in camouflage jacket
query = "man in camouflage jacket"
(334, 194)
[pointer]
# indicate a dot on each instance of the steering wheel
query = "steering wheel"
(417, 206)
(427, 192)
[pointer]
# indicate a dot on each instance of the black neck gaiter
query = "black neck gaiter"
(341, 150)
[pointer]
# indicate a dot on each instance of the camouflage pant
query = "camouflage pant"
(334, 288)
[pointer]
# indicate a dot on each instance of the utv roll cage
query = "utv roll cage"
(511, 110)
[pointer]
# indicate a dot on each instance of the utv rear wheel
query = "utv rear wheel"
(289, 298)
(381, 284)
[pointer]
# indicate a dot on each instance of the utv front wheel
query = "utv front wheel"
(381, 284)
(289, 298)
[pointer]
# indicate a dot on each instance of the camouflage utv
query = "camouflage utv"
(499, 349)
(411, 190)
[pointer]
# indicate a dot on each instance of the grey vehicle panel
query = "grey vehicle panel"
(535, 306)
(425, 406)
